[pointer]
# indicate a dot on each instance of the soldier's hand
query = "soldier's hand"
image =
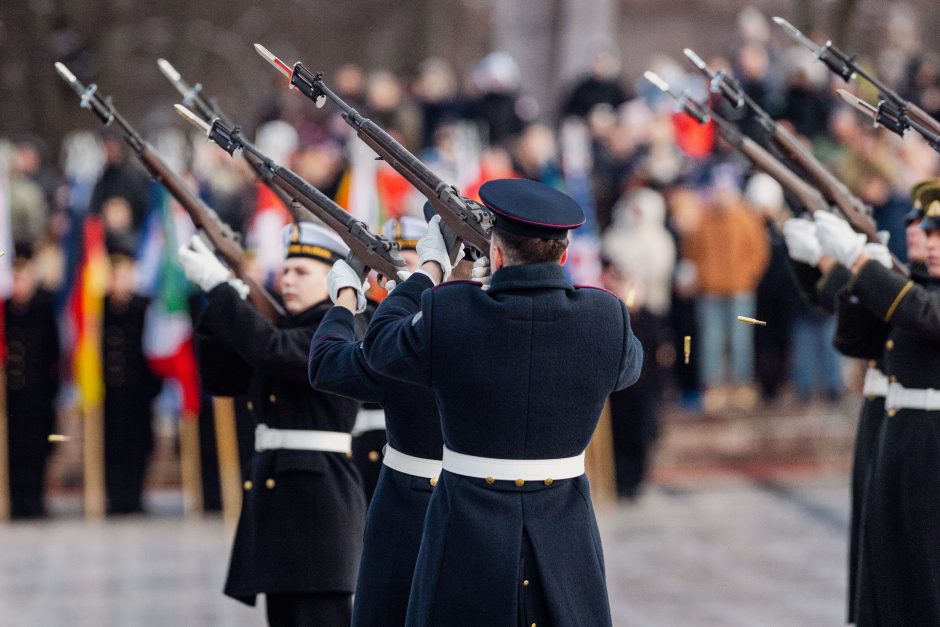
(802, 245)
(342, 276)
(880, 253)
(837, 238)
(482, 272)
(431, 247)
(201, 265)
(391, 284)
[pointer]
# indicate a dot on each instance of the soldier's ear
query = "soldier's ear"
(564, 258)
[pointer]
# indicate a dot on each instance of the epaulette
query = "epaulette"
(461, 282)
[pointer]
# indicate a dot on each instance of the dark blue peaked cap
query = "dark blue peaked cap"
(531, 209)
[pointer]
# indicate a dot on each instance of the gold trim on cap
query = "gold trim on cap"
(307, 249)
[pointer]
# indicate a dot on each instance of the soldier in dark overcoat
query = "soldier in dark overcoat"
(130, 386)
(412, 458)
(299, 535)
(32, 339)
(510, 537)
(899, 558)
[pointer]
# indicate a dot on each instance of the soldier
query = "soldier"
(899, 559)
(32, 339)
(510, 536)
(369, 434)
(300, 532)
(412, 459)
(129, 385)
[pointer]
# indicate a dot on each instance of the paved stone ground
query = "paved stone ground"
(698, 550)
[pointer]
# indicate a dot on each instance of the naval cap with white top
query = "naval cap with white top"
(531, 209)
(306, 239)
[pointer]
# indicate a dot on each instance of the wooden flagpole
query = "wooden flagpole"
(226, 440)
(190, 465)
(599, 462)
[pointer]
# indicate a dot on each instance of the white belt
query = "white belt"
(876, 383)
(369, 420)
(900, 397)
(267, 439)
(415, 466)
(513, 469)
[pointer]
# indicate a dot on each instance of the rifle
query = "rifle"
(208, 109)
(852, 208)
(462, 218)
(880, 117)
(218, 233)
(807, 195)
(366, 250)
(894, 112)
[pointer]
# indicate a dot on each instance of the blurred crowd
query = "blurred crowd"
(680, 226)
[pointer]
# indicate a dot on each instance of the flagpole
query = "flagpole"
(93, 461)
(190, 465)
(226, 440)
(599, 462)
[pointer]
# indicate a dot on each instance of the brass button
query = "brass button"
(549, 481)
(893, 379)
(490, 480)
(533, 624)
(525, 582)
(889, 344)
(433, 481)
(272, 398)
(520, 482)
(269, 484)
(373, 456)
(872, 364)
(247, 485)
(892, 411)
(348, 453)
(250, 406)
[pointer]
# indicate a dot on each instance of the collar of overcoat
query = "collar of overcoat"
(530, 276)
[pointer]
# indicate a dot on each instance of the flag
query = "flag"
(264, 231)
(168, 332)
(87, 310)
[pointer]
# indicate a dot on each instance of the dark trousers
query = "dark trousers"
(309, 609)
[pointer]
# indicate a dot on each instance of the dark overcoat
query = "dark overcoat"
(32, 341)
(899, 560)
(396, 514)
(300, 528)
(546, 356)
(129, 389)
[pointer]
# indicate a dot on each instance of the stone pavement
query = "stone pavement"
(702, 550)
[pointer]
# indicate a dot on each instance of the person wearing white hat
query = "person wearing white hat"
(299, 535)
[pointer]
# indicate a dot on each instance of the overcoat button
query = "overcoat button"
(893, 379)
(373, 456)
(520, 482)
(272, 398)
(525, 582)
(490, 480)
(549, 481)
(871, 364)
(250, 406)
(889, 344)
(892, 412)
(348, 453)
(433, 481)
(248, 485)
(269, 484)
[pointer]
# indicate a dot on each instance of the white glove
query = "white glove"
(240, 286)
(802, 245)
(837, 238)
(482, 272)
(431, 247)
(392, 283)
(342, 275)
(201, 265)
(880, 253)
